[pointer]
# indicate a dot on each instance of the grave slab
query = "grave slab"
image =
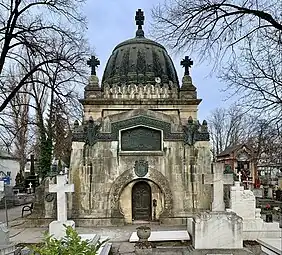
(271, 245)
(159, 236)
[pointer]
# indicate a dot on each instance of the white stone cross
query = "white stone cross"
(218, 179)
(239, 175)
(61, 188)
(1, 186)
(30, 185)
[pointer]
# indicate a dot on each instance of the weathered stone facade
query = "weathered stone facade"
(140, 152)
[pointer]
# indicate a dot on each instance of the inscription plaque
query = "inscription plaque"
(141, 139)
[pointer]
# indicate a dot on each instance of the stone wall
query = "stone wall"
(104, 179)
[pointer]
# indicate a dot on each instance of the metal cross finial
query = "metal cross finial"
(186, 63)
(93, 62)
(139, 18)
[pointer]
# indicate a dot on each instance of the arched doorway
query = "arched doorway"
(141, 201)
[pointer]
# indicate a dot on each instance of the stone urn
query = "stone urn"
(143, 233)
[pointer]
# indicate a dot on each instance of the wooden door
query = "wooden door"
(141, 201)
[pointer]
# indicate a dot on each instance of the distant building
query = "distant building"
(269, 168)
(9, 166)
(239, 158)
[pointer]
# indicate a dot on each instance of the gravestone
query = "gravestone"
(57, 228)
(243, 203)
(218, 179)
(223, 229)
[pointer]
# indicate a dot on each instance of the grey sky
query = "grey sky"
(112, 21)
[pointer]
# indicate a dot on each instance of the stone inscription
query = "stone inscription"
(141, 139)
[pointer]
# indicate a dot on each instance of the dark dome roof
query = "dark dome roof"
(139, 61)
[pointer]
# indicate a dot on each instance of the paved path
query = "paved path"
(13, 213)
(19, 234)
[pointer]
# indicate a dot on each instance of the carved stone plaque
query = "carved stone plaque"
(141, 167)
(141, 139)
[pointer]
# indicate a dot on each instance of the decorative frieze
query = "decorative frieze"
(134, 91)
(90, 133)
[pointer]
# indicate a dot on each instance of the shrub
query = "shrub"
(71, 244)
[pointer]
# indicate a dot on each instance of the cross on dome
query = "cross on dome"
(186, 63)
(93, 62)
(139, 18)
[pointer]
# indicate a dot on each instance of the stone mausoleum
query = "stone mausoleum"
(140, 153)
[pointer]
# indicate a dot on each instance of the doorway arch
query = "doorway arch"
(141, 201)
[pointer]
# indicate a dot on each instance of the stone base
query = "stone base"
(217, 230)
(57, 228)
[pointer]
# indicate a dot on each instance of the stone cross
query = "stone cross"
(93, 62)
(239, 175)
(218, 179)
(30, 185)
(139, 18)
(61, 188)
(186, 63)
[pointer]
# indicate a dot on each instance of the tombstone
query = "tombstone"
(258, 192)
(223, 229)
(57, 228)
(30, 189)
(270, 192)
(32, 177)
(243, 203)
(218, 179)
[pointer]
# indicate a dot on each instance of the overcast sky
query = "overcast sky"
(112, 21)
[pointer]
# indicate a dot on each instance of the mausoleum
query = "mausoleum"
(140, 152)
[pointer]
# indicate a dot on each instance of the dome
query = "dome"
(139, 61)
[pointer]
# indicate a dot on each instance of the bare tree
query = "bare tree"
(20, 118)
(233, 126)
(243, 38)
(54, 84)
(31, 26)
(226, 127)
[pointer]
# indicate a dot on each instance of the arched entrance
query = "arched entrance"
(141, 201)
